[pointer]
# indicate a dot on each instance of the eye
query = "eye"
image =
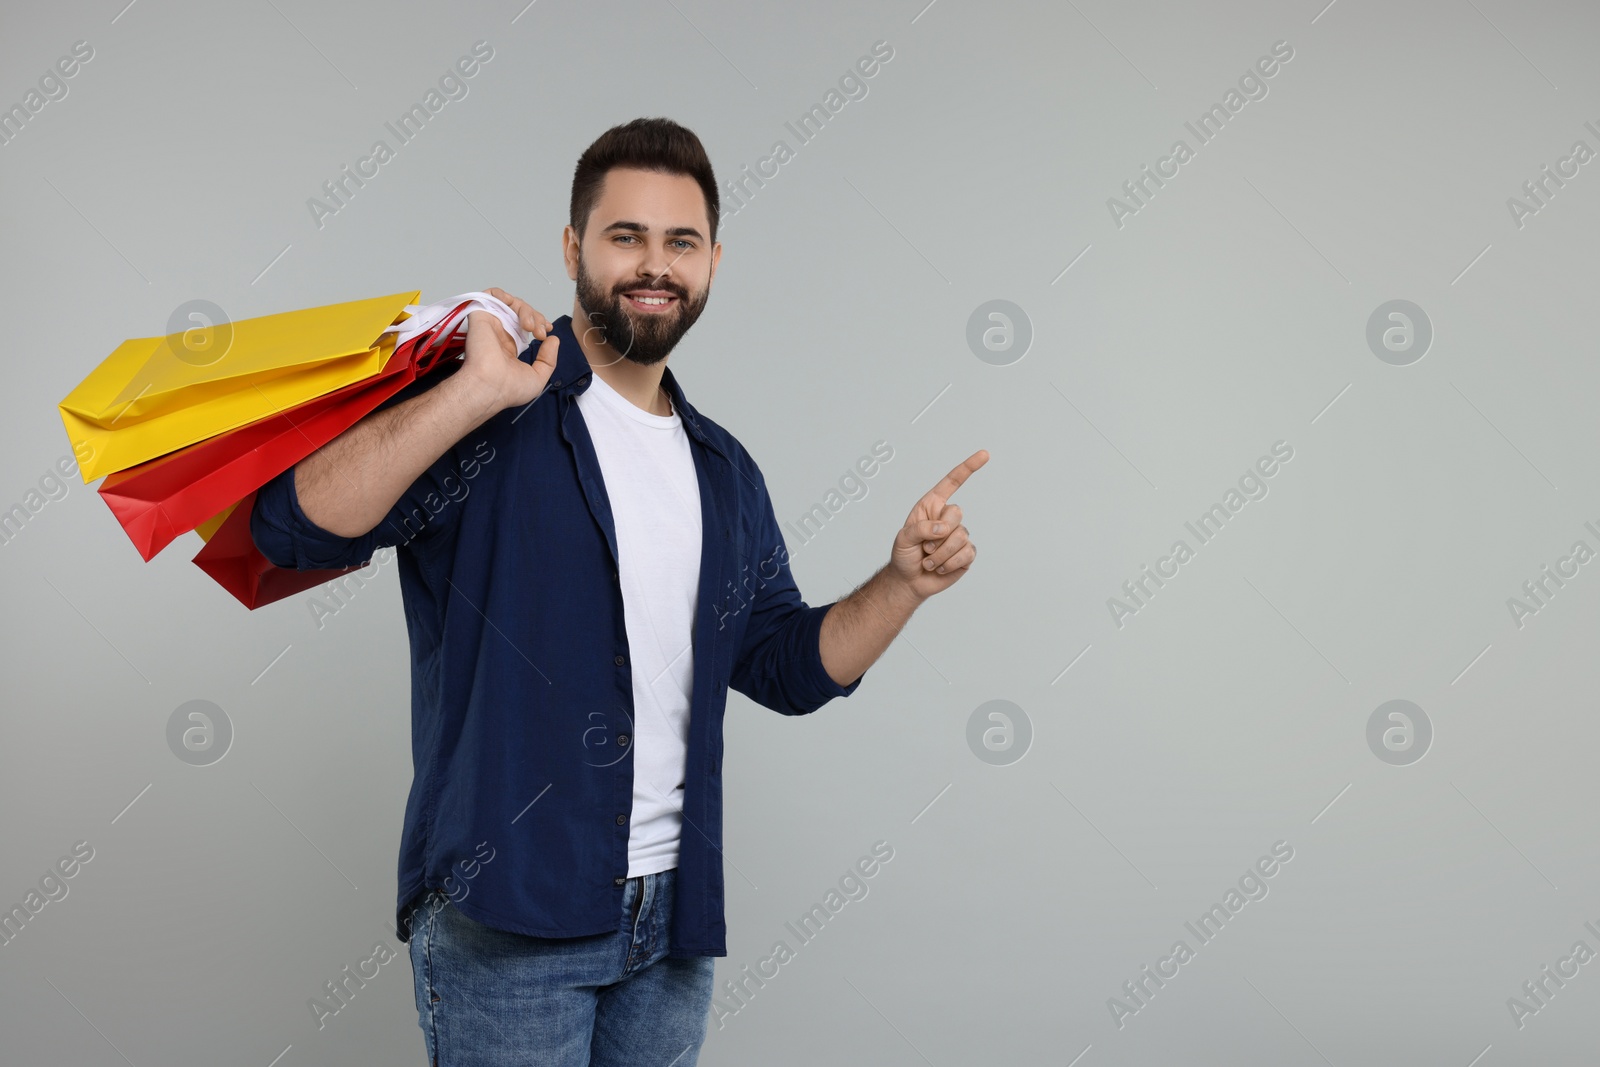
(687, 244)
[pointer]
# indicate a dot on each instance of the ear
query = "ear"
(569, 250)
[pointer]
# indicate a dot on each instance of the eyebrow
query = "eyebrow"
(638, 227)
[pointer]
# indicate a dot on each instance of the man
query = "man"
(587, 564)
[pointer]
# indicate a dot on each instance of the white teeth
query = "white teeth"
(650, 299)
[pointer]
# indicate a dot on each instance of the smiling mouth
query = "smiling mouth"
(653, 305)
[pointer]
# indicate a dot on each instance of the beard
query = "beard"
(643, 337)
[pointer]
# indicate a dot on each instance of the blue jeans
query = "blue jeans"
(490, 998)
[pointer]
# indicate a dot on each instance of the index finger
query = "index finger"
(953, 481)
(530, 319)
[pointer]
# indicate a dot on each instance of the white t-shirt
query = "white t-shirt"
(655, 503)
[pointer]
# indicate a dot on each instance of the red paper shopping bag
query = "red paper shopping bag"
(233, 560)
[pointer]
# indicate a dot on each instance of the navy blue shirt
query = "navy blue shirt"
(521, 685)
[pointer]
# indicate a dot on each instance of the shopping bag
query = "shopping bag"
(155, 395)
(232, 559)
(209, 527)
(161, 499)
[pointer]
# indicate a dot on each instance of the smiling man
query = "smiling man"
(587, 564)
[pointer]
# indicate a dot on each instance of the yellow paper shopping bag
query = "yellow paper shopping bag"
(155, 395)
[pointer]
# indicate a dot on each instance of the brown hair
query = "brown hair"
(648, 144)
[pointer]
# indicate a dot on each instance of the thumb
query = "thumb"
(544, 360)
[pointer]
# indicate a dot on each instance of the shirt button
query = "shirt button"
(618, 881)
(621, 819)
(557, 382)
(620, 660)
(622, 739)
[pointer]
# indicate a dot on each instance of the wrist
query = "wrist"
(900, 592)
(481, 397)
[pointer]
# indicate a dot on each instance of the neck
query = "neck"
(639, 385)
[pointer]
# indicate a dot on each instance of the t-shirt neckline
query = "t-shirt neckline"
(621, 403)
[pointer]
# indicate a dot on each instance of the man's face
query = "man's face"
(645, 266)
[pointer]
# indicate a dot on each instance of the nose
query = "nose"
(657, 265)
(656, 269)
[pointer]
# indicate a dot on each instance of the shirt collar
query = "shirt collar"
(573, 374)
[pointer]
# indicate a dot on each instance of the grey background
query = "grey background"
(1228, 314)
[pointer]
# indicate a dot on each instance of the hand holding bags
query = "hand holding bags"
(230, 555)
(156, 392)
(162, 498)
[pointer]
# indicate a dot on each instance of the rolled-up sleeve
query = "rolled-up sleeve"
(779, 661)
(287, 538)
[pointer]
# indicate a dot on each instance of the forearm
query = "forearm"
(858, 628)
(348, 485)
